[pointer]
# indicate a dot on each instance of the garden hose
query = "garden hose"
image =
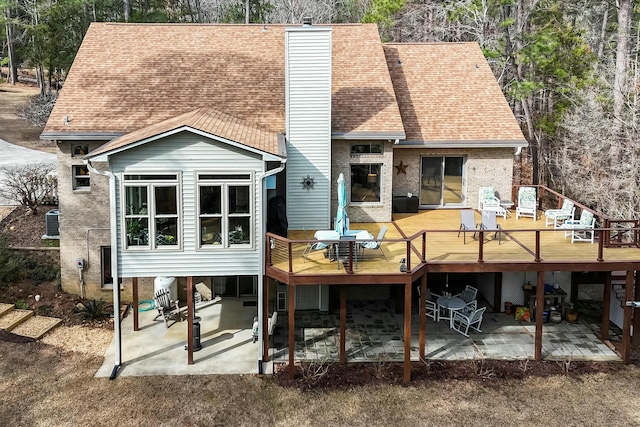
(146, 305)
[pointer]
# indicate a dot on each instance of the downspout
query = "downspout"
(114, 266)
(261, 255)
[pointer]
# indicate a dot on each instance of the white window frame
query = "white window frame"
(151, 185)
(75, 176)
(225, 181)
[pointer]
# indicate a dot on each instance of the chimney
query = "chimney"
(308, 125)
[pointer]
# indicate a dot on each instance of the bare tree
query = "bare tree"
(31, 185)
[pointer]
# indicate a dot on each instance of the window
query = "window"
(105, 255)
(225, 212)
(80, 178)
(151, 214)
(366, 149)
(79, 150)
(365, 183)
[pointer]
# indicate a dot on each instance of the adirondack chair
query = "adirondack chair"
(166, 307)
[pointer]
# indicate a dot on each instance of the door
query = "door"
(307, 297)
(442, 181)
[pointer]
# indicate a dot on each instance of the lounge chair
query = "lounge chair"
(312, 246)
(468, 224)
(558, 216)
(489, 223)
(375, 244)
(527, 203)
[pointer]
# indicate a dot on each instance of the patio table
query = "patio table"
(449, 303)
(328, 235)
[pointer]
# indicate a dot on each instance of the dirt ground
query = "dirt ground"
(13, 129)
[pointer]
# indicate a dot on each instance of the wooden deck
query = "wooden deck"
(445, 251)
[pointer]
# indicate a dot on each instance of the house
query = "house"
(173, 138)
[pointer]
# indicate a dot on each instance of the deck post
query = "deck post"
(537, 258)
(136, 315)
(190, 320)
(423, 315)
(497, 295)
(407, 332)
(292, 342)
(343, 325)
(635, 340)
(606, 307)
(265, 318)
(539, 310)
(626, 323)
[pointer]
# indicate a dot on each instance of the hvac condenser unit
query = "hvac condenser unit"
(52, 224)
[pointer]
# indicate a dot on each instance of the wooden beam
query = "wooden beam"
(265, 318)
(343, 325)
(292, 342)
(635, 339)
(539, 311)
(136, 314)
(423, 316)
(497, 294)
(190, 320)
(626, 323)
(606, 307)
(407, 332)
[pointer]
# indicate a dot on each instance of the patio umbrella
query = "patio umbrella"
(342, 219)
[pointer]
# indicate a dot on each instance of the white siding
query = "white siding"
(308, 117)
(189, 154)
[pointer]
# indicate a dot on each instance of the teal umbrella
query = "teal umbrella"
(342, 219)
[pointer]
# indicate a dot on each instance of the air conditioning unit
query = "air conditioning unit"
(52, 224)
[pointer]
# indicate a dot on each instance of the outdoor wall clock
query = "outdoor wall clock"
(307, 183)
(401, 168)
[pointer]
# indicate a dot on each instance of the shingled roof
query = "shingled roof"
(447, 94)
(126, 77)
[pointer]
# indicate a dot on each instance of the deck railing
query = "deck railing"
(617, 233)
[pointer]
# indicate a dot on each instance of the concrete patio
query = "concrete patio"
(374, 332)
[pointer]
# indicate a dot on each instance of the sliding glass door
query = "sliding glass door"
(442, 181)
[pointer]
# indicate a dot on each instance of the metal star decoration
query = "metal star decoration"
(307, 183)
(401, 168)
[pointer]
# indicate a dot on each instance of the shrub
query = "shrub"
(11, 266)
(94, 310)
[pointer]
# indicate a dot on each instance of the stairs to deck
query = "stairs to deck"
(24, 323)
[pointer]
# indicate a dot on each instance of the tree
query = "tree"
(31, 185)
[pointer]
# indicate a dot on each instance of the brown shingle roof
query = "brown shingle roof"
(447, 92)
(130, 76)
(207, 120)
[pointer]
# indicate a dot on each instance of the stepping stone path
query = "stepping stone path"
(24, 323)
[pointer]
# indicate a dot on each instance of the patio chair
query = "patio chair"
(167, 308)
(375, 244)
(487, 195)
(558, 216)
(527, 203)
(469, 294)
(312, 246)
(273, 319)
(581, 230)
(489, 223)
(461, 322)
(431, 306)
(467, 224)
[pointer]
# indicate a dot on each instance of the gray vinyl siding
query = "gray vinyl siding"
(308, 114)
(188, 154)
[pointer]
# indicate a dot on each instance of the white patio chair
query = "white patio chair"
(527, 203)
(431, 306)
(312, 246)
(467, 224)
(580, 230)
(558, 216)
(469, 294)
(461, 322)
(487, 195)
(489, 223)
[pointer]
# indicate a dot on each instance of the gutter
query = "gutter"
(114, 266)
(261, 254)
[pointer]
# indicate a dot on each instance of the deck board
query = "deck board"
(444, 246)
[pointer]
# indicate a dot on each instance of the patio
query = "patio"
(374, 332)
